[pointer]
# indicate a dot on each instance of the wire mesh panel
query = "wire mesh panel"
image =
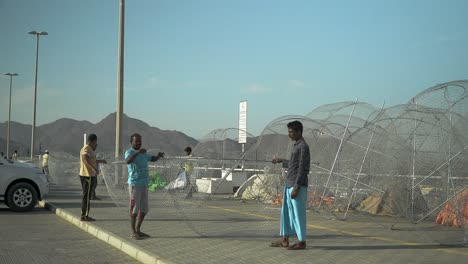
(400, 168)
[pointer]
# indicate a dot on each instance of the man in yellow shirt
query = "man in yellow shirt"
(88, 170)
(45, 164)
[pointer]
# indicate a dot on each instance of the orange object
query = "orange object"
(316, 198)
(278, 200)
(455, 211)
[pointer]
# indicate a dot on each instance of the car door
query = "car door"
(6, 174)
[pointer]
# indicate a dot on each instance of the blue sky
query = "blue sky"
(189, 63)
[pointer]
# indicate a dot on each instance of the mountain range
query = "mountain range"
(66, 135)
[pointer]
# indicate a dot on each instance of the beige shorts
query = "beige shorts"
(138, 200)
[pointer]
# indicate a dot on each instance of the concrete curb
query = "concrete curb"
(121, 244)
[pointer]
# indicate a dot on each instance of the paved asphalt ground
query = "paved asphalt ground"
(42, 237)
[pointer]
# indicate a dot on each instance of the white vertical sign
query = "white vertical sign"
(243, 122)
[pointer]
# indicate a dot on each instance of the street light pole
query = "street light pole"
(9, 113)
(120, 82)
(43, 33)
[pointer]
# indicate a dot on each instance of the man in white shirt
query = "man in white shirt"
(45, 164)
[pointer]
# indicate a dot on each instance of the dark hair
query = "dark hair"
(134, 135)
(295, 125)
(188, 149)
(92, 138)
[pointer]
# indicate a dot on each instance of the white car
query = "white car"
(21, 185)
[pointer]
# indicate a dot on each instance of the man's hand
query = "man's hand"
(159, 156)
(102, 161)
(134, 154)
(295, 192)
(276, 160)
(142, 151)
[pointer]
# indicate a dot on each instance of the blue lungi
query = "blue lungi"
(293, 214)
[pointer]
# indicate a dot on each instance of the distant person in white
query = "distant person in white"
(45, 164)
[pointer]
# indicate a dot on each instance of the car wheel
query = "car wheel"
(22, 197)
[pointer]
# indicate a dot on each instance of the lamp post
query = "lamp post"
(9, 113)
(120, 81)
(120, 84)
(40, 33)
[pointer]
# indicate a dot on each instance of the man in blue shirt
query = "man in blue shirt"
(138, 179)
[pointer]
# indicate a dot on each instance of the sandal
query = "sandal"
(143, 235)
(87, 219)
(135, 236)
(279, 243)
(298, 246)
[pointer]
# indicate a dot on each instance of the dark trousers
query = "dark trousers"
(189, 185)
(93, 187)
(86, 186)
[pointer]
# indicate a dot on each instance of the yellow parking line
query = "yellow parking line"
(241, 212)
(385, 239)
